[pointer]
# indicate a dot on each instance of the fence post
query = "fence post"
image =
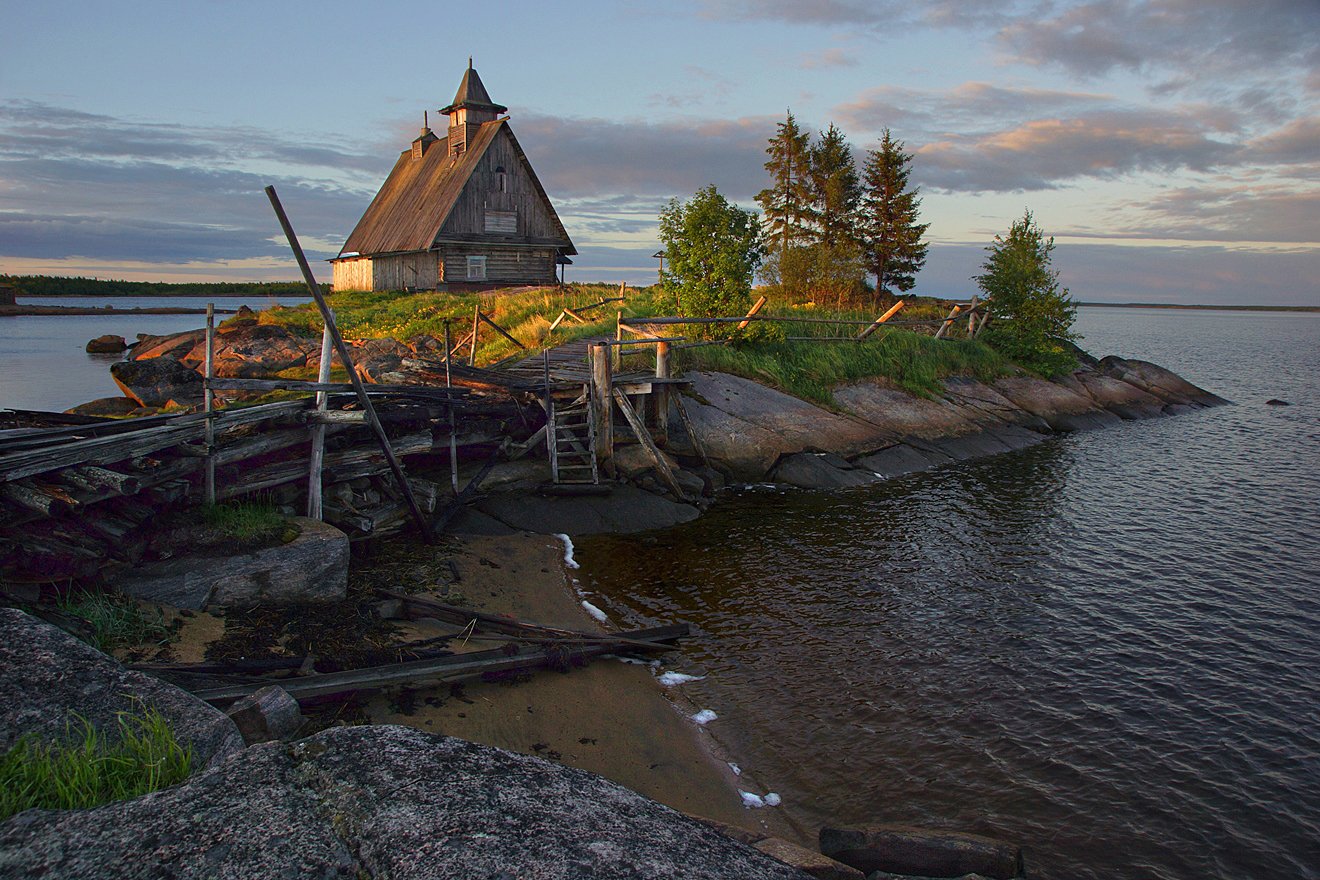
(476, 324)
(315, 502)
(661, 393)
(602, 396)
(209, 479)
(948, 322)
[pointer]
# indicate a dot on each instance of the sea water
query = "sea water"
(1105, 647)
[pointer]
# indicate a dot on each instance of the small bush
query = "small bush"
(90, 769)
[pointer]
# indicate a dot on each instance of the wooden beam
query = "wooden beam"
(456, 667)
(690, 429)
(893, 310)
(501, 330)
(602, 392)
(329, 317)
(747, 319)
(948, 322)
(639, 431)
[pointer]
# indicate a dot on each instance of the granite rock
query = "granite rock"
(47, 674)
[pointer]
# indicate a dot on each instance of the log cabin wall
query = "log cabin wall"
(500, 185)
(511, 265)
(353, 274)
(414, 271)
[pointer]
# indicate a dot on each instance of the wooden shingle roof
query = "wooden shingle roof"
(419, 194)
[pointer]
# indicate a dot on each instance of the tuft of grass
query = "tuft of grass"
(246, 522)
(117, 621)
(90, 768)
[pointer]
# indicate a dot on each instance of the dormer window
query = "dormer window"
(501, 180)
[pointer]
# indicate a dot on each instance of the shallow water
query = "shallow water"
(43, 361)
(1105, 647)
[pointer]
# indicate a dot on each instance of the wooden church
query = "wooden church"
(462, 212)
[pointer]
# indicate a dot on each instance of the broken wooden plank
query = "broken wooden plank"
(459, 667)
(893, 310)
(644, 438)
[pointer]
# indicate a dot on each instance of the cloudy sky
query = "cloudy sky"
(1171, 147)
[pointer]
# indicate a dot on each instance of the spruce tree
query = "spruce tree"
(787, 203)
(836, 191)
(1032, 314)
(891, 236)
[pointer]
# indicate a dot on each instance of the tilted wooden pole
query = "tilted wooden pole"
(209, 477)
(893, 310)
(329, 317)
(315, 507)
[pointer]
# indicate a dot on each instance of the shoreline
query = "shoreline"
(31, 311)
(609, 718)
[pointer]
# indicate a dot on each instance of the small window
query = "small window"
(501, 180)
(476, 268)
(505, 222)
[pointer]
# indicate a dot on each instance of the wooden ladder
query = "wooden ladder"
(571, 441)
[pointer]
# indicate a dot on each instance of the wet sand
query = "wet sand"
(610, 718)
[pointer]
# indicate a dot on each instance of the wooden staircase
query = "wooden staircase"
(571, 441)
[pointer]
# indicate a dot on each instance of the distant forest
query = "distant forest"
(47, 285)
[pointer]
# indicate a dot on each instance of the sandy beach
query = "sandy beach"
(611, 718)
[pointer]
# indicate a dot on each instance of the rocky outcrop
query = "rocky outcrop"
(313, 567)
(161, 381)
(751, 432)
(46, 675)
(381, 802)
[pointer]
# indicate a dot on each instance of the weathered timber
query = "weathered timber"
(96, 450)
(425, 606)
(328, 316)
(451, 510)
(602, 393)
(690, 429)
(889, 313)
(98, 480)
(948, 322)
(747, 319)
(639, 431)
(35, 499)
(460, 667)
(501, 330)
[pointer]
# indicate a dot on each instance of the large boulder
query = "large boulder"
(382, 802)
(1123, 399)
(105, 407)
(108, 343)
(1061, 408)
(174, 345)
(158, 381)
(898, 413)
(1159, 382)
(47, 675)
(746, 427)
(248, 350)
(817, 470)
(313, 567)
(901, 849)
(624, 510)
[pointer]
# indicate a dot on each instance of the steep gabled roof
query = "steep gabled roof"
(419, 195)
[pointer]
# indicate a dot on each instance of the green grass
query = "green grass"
(808, 370)
(246, 522)
(91, 768)
(117, 621)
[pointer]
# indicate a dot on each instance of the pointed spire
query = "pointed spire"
(472, 95)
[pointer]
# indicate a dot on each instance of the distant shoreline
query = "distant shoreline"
(1136, 305)
(28, 311)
